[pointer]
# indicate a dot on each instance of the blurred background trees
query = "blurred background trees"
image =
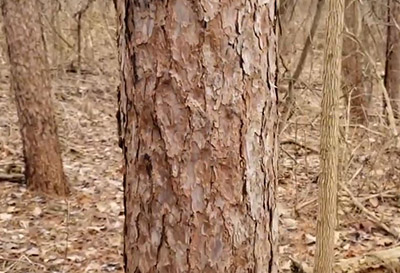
(46, 41)
(392, 69)
(30, 81)
(368, 140)
(84, 230)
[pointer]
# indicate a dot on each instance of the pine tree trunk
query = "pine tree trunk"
(198, 123)
(351, 63)
(392, 75)
(30, 81)
(328, 179)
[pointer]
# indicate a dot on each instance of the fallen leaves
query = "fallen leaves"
(5, 216)
(83, 233)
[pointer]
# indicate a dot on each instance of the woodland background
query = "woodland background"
(84, 232)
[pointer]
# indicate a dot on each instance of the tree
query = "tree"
(328, 179)
(392, 69)
(198, 127)
(352, 63)
(30, 81)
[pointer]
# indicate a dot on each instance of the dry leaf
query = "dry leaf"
(76, 258)
(5, 216)
(367, 226)
(310, 239)
(37, 211)
(289, 224)
(374, 202)
(33, 251)
(102, 206)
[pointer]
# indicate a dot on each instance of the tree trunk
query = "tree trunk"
(30, 81)
(392, 75)
(198, 125)
(351, 63)
(329, 139)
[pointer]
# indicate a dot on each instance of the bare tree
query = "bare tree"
(352, 62)
(291, 97)
(328, 179)
(198, 125)
(392, 69)
(30, 81)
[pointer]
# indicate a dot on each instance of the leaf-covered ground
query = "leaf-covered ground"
(84, 232)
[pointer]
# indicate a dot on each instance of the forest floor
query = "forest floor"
(369, 174)
(84, 232)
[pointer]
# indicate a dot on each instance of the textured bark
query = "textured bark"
(392, 75)
(352, 63)
(30, 81)
(329, 139)
(198, 124)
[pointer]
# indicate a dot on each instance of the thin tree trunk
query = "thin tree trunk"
(392, 75)
(329, 139)
(30, 81)
(198, 125)
(351, 63)
(291, 97)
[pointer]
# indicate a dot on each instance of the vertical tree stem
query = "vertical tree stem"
(329, 139)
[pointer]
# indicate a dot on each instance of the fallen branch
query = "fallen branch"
(306, 203)
(386, 194)
(388, 258)
(369, 213)
(291, 141)
(361, 207)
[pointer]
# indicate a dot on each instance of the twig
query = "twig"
(306, 203)
(67, 238)
(387, 258)
(291, 141)
(369, 213)
(388, 193)
(289, 155)
(389, 108)
(78, 15)
(311, 201)
(367, 129)
(300, 64)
